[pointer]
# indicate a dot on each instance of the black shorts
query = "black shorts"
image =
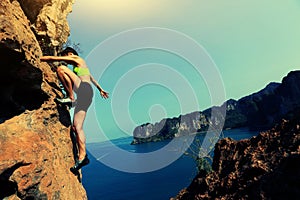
(84, 96)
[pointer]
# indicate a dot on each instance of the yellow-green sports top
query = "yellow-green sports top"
(80, 71)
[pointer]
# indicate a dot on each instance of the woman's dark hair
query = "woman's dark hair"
(67, 50)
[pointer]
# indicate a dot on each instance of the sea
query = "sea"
(145, 171)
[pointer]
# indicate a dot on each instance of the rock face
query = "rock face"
(35, 144)
(263, 167)
(260, 110)
(48, 19)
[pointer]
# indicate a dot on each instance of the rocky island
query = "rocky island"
(259, 111)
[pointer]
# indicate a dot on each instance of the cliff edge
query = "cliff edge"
(35, 144)
(263, 167)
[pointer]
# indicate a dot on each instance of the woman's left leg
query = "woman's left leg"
(84, 100)
(79, 117)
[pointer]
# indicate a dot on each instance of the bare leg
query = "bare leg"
(79, 117)
(83, 160)
(66, 81)
(69, 79)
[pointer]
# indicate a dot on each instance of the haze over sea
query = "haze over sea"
(106, 183)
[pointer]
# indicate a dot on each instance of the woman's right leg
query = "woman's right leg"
(69, 79)
(66, 81)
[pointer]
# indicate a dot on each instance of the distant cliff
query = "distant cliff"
(35, 145)
(263, 167)
(260, 110)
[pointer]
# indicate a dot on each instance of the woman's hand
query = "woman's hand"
(104, 94)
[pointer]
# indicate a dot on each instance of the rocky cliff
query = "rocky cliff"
(263, 167)
(35, 144)
(260, 110)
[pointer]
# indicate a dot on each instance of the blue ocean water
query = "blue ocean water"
(105, 183)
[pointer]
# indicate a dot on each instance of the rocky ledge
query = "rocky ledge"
(263, 167)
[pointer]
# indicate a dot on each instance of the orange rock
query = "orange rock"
(35, 145)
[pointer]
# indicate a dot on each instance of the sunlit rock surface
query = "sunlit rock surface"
(35, 144)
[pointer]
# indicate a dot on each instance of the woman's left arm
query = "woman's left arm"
(103, 93)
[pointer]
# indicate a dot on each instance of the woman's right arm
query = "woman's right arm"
(49, 58)
(67, 59)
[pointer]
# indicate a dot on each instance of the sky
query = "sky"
(131, 48)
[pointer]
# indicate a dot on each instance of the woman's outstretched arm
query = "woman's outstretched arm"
(103, 93)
